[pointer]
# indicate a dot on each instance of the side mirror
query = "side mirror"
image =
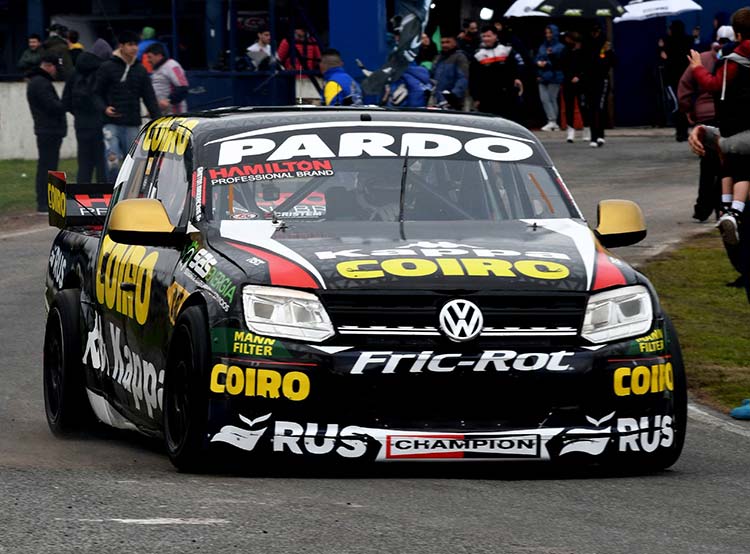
(619, 223)
(142, 221)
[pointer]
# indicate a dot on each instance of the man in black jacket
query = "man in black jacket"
(50, 126)
(495, 76)
(88, 119)
(121, 84)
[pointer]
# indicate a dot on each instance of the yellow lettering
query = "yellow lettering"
(450, 266)
(143, 287)
(539, 269)
(483, 267)
(268, 351)
(235, 380)
(620, 388)
(409, 267)
(249, 381)
(353, 269)
(219, 369)
(639, 382)
(269, 383)
(668, 378)
(296, 385)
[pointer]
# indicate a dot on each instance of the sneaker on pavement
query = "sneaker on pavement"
(727, 226)
(741, 412)
(551, 126)
(594, 144)
(600, 141)
(571, 134)
(587, 134)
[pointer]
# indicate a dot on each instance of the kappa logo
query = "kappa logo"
(244, 439)
(461, 320)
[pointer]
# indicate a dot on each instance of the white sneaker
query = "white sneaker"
(586, 134)
(551, 126)
(600, 141)
(727, 226)
(571, 134)
(594, 144)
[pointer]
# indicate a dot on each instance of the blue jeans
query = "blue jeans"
(117, 141)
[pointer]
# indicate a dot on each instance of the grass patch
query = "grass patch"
(711, 318)
(17, 188)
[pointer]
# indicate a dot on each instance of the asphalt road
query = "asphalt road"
(118, 493)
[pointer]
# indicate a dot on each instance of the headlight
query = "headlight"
(288, 313)
(618, 314)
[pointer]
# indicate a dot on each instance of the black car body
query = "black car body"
(355, 283)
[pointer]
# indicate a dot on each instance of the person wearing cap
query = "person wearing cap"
(700, 110)
(57, 45)
(120, 85)
(260, 52)
(74, 45)
(50, 126)
(76, 98)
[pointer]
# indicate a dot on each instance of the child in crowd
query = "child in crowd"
(732, 84)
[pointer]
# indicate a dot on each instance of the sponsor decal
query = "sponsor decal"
(462, 446)
(387, 362)
(645, 434)
(587, 440)
(296, 438)
(452, 267)
(123, 278)
(176, 296)
(199, 193)
(642, 380)
(426, 249)
(127, 369)
(169, 135)
(266, 383)
(374, 144)
(650, 343)
(238, 342)
(57, 265)
(56, 201)
(255, 261)
(265, 171)
(202, 263)
(92, 205)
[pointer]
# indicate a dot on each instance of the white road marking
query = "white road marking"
(154, 521)
(31, 231)
(694, 412)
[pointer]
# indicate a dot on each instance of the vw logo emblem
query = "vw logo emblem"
(461, 320)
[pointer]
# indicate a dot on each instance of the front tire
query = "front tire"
(186, 392)
(65, 401)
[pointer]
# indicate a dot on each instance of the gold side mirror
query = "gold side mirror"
(619, 223)
(142, 221)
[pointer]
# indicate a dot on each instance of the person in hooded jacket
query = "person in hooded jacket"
(412, 89)
(88, 119)
(550, 74)
(50, 126)
(451, 75)
(121, 84)
(57, 45)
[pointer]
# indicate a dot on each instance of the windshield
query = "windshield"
(444, 183)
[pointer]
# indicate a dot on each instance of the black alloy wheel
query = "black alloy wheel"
(186, 392)
(65, 401)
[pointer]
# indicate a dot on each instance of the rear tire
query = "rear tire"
(186, 392)
(65, 401)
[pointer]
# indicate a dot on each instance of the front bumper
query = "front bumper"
(523, 402)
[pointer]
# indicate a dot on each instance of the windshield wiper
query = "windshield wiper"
(402, 195)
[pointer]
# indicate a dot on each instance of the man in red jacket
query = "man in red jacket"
(732, 83)
(307, 55)
(700, 109)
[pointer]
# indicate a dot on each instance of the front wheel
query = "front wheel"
(65, 401)
(186, 392)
